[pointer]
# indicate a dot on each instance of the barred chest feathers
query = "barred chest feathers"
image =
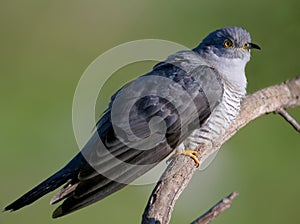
(219, 120)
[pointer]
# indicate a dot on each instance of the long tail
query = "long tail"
(70, 171)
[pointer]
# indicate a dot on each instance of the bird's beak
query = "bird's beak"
(251, 46)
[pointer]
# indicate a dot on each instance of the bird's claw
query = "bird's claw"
(191, 153)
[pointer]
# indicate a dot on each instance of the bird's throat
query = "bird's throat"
(233, 70)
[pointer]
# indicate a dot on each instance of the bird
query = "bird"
(187, 100)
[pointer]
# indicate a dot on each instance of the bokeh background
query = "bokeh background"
(46, 46)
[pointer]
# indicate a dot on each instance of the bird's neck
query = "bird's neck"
(231, 69)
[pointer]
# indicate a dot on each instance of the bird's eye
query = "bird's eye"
(228, 43)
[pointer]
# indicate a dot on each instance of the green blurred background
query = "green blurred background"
(46, 46)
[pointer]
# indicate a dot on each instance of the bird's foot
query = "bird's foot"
(191, 153)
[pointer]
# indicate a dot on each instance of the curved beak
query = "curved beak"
(251, 46)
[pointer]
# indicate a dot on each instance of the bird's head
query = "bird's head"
(228, 50)
(228, 42)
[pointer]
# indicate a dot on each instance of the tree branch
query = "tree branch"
(180, 171)
(289, 119)
(216, 210)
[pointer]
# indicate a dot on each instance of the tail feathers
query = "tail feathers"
(53, 182)
(63, 193)
(72, 203)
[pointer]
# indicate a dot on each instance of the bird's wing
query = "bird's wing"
(145, 121)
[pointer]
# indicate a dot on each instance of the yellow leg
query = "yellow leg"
(191, 153)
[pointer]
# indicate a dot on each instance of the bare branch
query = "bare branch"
(216, 210)
(180, 171)
(289, 119)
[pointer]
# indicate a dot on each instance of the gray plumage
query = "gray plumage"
(190, 98)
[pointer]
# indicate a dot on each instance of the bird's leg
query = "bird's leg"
(191, 153)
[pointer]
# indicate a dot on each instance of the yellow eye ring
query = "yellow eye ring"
(228, 43)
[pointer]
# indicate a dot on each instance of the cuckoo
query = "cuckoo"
(185, 101)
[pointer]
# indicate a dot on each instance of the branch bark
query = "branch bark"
(181, 169)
